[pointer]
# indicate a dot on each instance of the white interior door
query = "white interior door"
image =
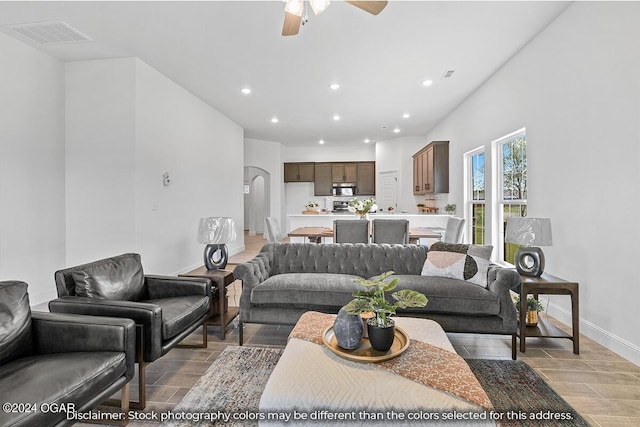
(389, 191)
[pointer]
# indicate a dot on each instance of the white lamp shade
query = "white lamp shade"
(529, 231)
(216, 230)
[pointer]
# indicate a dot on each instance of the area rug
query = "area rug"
(229, 392)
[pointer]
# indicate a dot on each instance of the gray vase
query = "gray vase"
(348, 329)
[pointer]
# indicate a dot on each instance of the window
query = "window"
(510, 187)
(475, 195)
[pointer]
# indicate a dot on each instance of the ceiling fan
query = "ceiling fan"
(295, 9)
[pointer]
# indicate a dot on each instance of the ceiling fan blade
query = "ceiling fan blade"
(373, 7)
(291, 24)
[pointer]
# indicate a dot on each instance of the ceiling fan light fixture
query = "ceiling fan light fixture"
(319, 6)
(294, 7)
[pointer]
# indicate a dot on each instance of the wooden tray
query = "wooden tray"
(365, 353)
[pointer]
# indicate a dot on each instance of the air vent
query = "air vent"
(49, 33)
(448, 74)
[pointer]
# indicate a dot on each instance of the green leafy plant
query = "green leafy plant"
(362, 207)
(532, 304)
(372, 298)
(312, 205)
(450, 208)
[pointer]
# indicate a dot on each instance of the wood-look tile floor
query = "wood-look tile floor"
(602, 386)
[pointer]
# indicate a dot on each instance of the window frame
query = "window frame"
(498, 200)
(469, 200)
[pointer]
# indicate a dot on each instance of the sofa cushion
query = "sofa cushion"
(57, 378)
(458, 261)
(452, 296)
(178, 313)
(15, 322)
(306, 290)
(119, 279)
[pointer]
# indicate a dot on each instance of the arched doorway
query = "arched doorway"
(257, 199)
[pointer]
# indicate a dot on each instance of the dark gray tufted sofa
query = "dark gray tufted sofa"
(287, 279)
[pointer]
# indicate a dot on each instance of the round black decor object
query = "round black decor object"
(348, 329)
(529, 261)
(216, 256)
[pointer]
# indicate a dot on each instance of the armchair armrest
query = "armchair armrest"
(63, 333)
(140, 312)
(170, 286)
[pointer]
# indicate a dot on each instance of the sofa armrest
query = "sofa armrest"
(252, 273)
(505, 281)
(64, 333)
(255, 271)
(171, 286)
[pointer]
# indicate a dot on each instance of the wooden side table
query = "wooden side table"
(548, 284)
(221, 279)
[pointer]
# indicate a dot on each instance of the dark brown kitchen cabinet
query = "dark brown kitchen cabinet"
(431, 168)
(366, 183)
(344, 172)
(299, 172)
(322, 183)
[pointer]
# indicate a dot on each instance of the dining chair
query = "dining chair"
(453, 231)
(272, 227)
(390, 231)
(350, 231)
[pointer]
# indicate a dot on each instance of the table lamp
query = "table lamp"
(216, 232)
(529, 233)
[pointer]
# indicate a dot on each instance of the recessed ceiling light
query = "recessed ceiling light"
(396, 130)
(336, 117)
(274, 120)
(406, 115)
(246, 90)
(427, 82)
(367, 140)
(334, 86)
(321, 142)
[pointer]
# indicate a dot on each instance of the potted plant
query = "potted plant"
(362, 208)
(450, 208)
(312, 206)
(533, 307)
(380, 327)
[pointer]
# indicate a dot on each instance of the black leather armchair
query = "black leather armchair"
(58, 359)
(165, 309)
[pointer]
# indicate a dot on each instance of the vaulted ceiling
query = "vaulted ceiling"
(215, 49)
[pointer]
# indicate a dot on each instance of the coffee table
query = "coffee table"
(311, 379)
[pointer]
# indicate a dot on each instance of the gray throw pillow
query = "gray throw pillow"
(458, 261)
(119, 278)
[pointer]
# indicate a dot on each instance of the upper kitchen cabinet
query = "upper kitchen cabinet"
(299, 172)
(366, 182)
(344, 172)
(323, 180)
(431, 169)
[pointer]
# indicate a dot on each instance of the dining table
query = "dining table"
(316, 234)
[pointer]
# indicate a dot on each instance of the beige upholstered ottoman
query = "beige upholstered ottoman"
(319, 387)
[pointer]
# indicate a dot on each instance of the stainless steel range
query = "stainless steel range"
(340, 206)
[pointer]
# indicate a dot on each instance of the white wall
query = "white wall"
(32, 221)
(126, 125)
(267, 155)
(576, 88)
(202, 150)
(100, 162)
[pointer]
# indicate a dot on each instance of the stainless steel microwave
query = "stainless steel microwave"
(344, 189)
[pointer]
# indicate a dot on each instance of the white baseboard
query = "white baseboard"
(618, 345)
